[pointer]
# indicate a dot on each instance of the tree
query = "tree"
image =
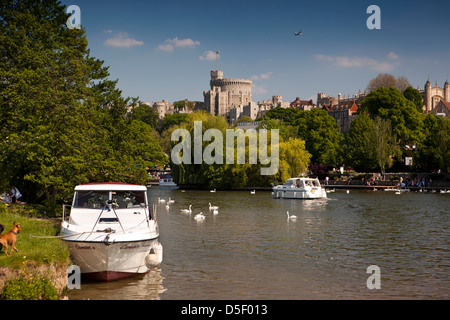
(359, 143)
(244, 119)
(173, 119)
(146, 114)
(388, 80)
(434, 152)
(287, 115)
(62, 120)
(316, 127)
(294, 159)
(384, 144)
(415, 97)
(390, 104)
(321, 134)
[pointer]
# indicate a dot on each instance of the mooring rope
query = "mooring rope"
(55, 237)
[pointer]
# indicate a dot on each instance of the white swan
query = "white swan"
(215, 211)
(167, 206)
(213, 207)
(213, 190)
(199, 217)
(171, 201)
(252, 192)
(187, 210)
(161, 200)
(292, 217)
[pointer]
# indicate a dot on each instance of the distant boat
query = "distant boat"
(166, 181)
(300, 188)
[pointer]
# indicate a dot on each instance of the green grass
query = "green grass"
(39, 251)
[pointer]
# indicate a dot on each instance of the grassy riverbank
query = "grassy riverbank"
(40, 264)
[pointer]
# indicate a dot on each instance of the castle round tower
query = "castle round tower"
(228, 93)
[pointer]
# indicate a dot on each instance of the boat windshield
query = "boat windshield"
(289, 182)
(99, 199)
(128, 199)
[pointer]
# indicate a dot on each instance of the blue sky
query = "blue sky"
(164, 49)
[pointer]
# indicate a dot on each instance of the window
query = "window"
(128, 199)
(91, 199)
(99, 199)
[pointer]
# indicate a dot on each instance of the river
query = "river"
(249, 250)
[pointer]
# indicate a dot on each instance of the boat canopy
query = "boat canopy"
(301, 182)
(110, 186)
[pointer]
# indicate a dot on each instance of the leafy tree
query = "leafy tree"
(390, 104)
(316, 127)
(244, 119)
(358, 146)
(321, 134)
(434, 152)
(286, 130)
(384, 143)
(146, 114)
(173, 119)
(287, 115)
(62, 120)
(414, 95)
(294, 159)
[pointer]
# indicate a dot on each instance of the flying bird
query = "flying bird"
(298, 33)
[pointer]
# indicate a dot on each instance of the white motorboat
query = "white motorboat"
(111, 232)
(300, 188)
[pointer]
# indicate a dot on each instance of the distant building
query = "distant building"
(303, 104)
(165, 107)
(227, 94)
(343, 113)
(322, 99)
(162, 108)
(442, 109)
(432, 95)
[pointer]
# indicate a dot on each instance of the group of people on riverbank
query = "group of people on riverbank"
(12, 196)
(419, 183)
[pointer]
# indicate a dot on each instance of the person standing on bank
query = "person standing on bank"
(15, 194)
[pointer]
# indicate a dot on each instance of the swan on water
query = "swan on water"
(161, 200)
(252, 192)
(213, 190)
(171, 201)
(199, 217)
(213, 207)
(292, 217)
(215, 211)
(187, 210)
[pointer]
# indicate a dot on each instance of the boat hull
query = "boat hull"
(319, 193)
(107, 261)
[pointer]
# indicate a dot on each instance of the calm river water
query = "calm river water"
(249, 250)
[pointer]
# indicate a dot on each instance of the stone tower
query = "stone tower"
(447, 91)
(427, 98)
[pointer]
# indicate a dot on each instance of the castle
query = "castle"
(232, 98)
(435, 99)
(226, 94)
